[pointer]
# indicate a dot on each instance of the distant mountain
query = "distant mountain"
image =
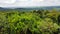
(33, 8)
(39, 8)
(3, 8)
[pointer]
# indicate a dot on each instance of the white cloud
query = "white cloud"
(23, 0)
(37, 0)
(7, 1)
(30, 3)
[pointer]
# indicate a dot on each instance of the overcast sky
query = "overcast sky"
(28, 3)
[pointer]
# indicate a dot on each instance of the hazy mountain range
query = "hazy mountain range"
(33, 8)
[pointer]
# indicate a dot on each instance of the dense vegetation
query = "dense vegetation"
(30, 22)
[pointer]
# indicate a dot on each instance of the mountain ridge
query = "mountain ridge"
(32, 8)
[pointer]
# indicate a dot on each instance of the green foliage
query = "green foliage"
(32, 22)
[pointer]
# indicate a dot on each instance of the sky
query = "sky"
(29, 3)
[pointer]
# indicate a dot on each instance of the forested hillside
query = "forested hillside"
(29, 22)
